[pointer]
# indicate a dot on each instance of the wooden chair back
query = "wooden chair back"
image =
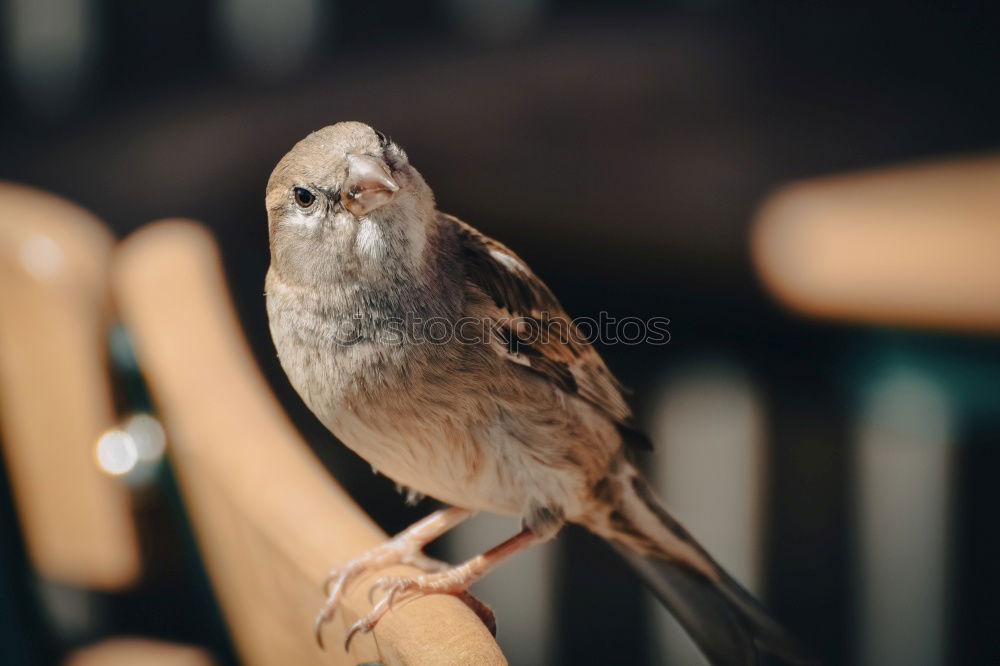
(55, 394)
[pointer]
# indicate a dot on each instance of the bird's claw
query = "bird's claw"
(321, 619)
(333, 588)
(392, 587)
(332, 576)
(337, 580)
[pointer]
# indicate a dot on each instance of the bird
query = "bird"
(436, 354)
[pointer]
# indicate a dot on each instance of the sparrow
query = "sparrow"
(415, 339)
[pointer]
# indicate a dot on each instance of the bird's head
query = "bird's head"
(345, 198)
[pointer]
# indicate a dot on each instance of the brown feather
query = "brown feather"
(566, 359)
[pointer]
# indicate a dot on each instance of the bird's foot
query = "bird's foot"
(454, 581)
(403, 549)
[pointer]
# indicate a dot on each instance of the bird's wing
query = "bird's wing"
(537, 332)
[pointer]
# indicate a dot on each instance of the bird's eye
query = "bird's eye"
(303, 197)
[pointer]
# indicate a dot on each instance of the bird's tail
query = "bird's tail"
(723, 619)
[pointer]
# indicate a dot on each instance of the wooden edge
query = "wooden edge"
(130, 650)
(913, 245)
(55, 394)
(222, 419)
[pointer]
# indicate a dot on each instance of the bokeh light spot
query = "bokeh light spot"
(116, 452)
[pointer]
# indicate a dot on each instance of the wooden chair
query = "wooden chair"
(55, 395)
(132, 651)
(269, 520)
(906, 247)
(55, 401)
(913, 245)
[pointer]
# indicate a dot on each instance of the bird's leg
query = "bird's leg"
(451, 581)
(404, 548)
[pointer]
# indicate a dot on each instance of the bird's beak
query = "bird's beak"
(368, 185)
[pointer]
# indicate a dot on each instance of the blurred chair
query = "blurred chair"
(55, 402)
(710, 429)
(55, 393)
(269, 520)
(905, 247)
(130, 651)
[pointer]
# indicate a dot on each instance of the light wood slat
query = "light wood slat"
(270, 521)
(911, 245)
(55, 397)
(133, 651)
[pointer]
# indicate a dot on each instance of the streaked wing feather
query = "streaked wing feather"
(563, 357)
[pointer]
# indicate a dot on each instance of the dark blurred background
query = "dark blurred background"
(622, 149)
